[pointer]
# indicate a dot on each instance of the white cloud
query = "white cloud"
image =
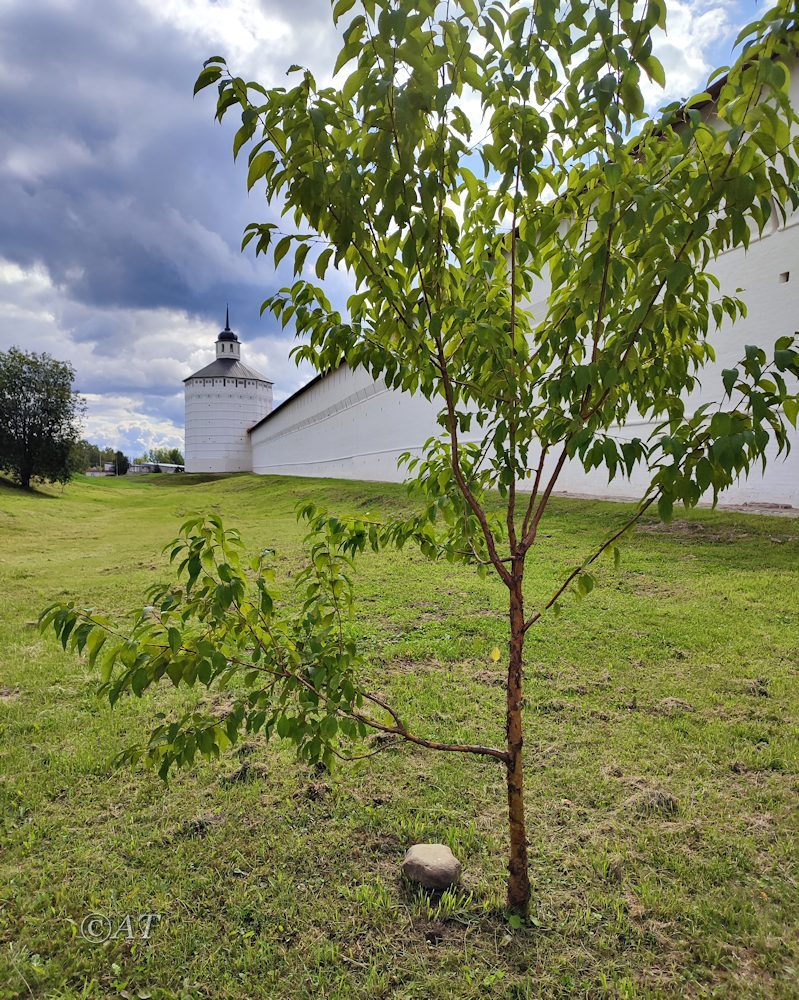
(255, 43)
(131, 379)
(117, 421)
(153, 359)
(693, 29)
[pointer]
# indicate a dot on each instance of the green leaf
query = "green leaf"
(94, 644)
(209, 75)
(244, 134)
(299, 257)
(341, 8)
(322, 262)
(613, 175)
(653, 68)
(282, 249)
(175, 640)
(259, 164)
(729, 377)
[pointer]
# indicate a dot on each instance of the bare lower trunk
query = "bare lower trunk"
(519, 879)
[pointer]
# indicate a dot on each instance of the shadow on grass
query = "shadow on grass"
(186, 478)
(9, 486)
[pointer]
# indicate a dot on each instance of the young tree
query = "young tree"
(39, 416)
(565, 188)
(121, 463)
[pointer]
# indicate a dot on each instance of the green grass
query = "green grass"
(662, 834)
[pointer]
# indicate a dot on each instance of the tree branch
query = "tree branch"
(579, 569)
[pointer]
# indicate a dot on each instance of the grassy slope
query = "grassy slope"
(287, 887)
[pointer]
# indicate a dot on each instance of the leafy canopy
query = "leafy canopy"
(39, 416)
(286, 656)
(548, 274)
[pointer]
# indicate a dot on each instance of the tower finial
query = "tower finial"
(227, 316)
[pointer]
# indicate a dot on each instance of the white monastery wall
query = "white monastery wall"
(767, 276)
(219, 412)
(346, 425)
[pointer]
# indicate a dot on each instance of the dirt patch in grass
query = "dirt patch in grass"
(219, 705)
(647, 799)
(383, 844)
(653, 802)
(490, 677)
(673, 706)
(199, 826)
(8, 694)
(756, 687)
(247, 772)
(698, 531)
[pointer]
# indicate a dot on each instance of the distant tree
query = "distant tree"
(166, 456)
(39, 416)
(84, 455)
(614, 219)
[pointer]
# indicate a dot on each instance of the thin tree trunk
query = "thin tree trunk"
(519, 878)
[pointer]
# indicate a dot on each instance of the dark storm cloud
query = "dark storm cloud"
(117, 181)
(113, 156)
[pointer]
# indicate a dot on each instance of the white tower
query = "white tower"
(223, 401)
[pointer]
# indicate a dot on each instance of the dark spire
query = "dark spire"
(227, 333)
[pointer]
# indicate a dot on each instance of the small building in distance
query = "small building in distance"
(223, 400)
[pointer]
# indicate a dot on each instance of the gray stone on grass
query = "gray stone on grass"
(432, 865)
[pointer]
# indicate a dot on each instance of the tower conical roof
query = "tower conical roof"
(227, 366)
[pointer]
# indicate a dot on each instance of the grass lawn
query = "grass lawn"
(662, 772)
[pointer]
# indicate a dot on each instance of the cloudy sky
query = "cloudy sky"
(121, 210)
